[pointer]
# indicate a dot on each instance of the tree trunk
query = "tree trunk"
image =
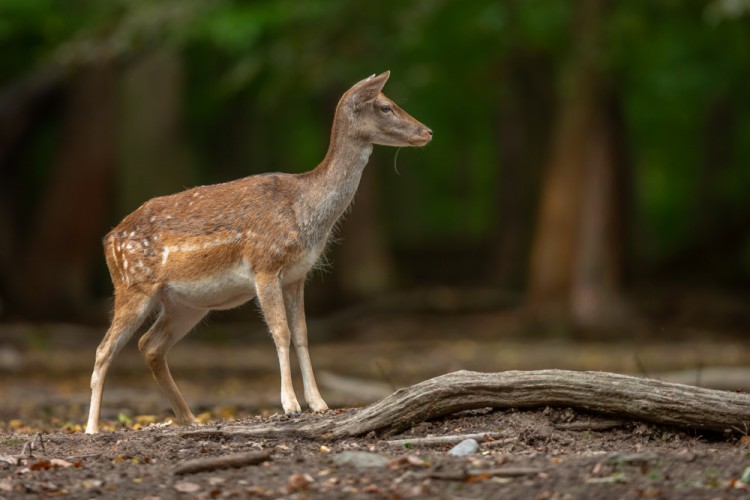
(153, 157)
(596, 300)
(22, 102)
(57, 270)
(523, 132)
(575, 264)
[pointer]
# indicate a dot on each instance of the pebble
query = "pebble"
(187, 487)
(465, 447)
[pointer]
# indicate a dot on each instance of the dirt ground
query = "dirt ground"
(533, 455)
(228, 381)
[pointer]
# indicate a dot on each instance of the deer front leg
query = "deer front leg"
(294, 300)
(271, 301)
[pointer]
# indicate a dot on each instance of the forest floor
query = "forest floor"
(534, 457)
(542, 453)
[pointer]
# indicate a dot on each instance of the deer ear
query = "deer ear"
(368, 89)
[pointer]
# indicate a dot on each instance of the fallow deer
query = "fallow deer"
(219, 246)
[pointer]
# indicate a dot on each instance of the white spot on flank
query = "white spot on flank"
(114, 255)
(114, 259)
(189, 247)
(145, 243)
(125, 264)
(132, 233)
(153, 219)
(209, 244)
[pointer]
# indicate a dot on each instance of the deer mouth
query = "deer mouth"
(420, 140)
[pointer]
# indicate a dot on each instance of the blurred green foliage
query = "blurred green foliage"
(262, 79)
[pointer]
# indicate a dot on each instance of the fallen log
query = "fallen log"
(608, 394)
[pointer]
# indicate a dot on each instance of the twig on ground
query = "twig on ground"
(499, 442)
(73, 458)
(438, 440)
(222, 462)
(30, 445)
(238, 431)
(506, 471)
(589, 425)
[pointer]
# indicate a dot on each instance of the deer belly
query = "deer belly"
(223, 289)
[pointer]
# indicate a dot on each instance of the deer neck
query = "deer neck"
(334, 182)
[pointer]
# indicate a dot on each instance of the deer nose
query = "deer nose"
(429, 131)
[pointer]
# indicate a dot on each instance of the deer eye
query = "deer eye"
(385, 108)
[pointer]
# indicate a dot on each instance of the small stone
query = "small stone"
(362, 459)
(187, 487)
(465, 447)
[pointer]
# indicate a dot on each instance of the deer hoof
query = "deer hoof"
(319, 407)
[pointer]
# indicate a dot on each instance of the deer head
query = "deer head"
(374, 118)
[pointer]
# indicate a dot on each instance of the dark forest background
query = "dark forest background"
(590, 167)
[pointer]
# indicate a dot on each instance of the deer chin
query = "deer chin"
(419, 141)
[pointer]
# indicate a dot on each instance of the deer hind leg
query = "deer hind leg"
(173, 323)
(271, 300)
(131, 310)
(294, 302)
